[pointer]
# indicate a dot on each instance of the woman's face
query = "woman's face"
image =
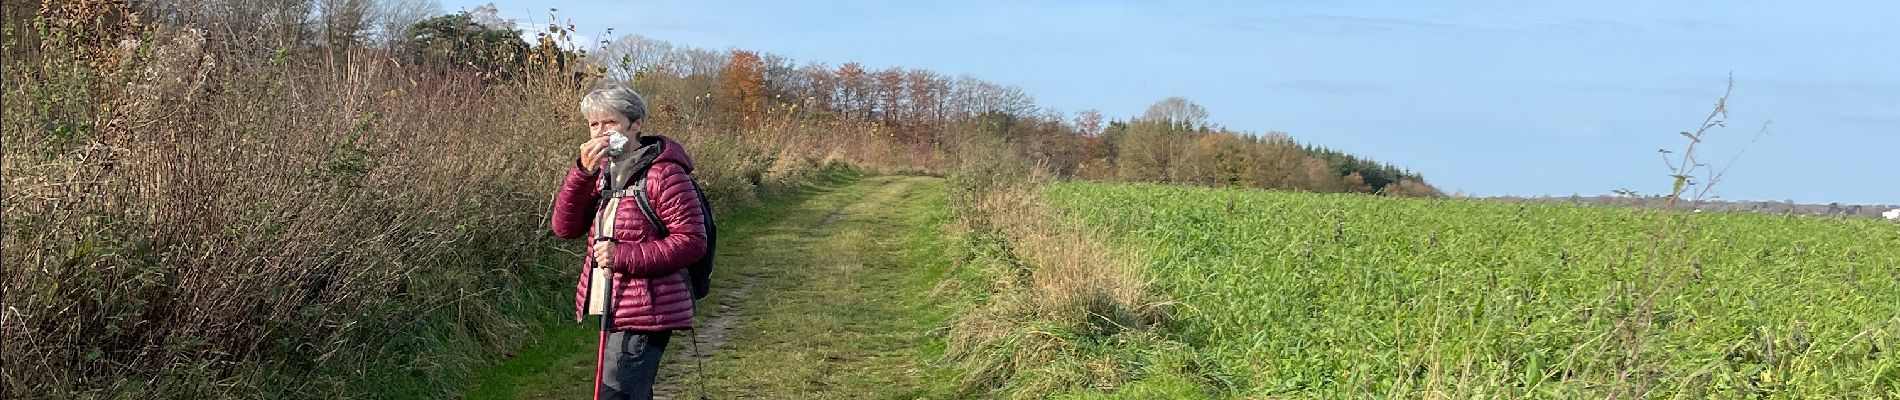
(599, 122)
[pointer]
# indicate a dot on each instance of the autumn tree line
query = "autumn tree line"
(1172, 142)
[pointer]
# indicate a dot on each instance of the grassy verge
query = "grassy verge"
(1059, 314)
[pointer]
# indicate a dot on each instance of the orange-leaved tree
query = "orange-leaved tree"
(740, 96)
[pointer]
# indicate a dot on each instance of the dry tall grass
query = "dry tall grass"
(185, 224)
(1060, 311)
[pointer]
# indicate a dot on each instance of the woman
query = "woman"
(649, 294)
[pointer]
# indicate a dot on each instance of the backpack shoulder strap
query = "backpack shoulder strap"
(638, 190)
(639, 193)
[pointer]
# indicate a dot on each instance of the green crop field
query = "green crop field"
(1354, 295)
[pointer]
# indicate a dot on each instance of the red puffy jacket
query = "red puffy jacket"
(650, 292)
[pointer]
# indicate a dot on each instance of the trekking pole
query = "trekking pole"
(600, 355)
(698, 357)
(701, 358)
(606, 324)
(607, 307)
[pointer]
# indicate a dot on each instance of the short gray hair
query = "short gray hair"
(617, 99)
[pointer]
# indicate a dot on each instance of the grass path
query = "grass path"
(826, 295)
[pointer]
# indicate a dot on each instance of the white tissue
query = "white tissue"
(616, 142)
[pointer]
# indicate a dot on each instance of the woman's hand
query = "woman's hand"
(591, 152)
(603, 254)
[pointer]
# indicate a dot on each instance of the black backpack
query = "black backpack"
(699, 273)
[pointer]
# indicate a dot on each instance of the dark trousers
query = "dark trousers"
(633, 361)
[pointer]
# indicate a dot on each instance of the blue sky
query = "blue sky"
(1491, 98)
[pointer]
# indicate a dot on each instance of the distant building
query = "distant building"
(1893, 214)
